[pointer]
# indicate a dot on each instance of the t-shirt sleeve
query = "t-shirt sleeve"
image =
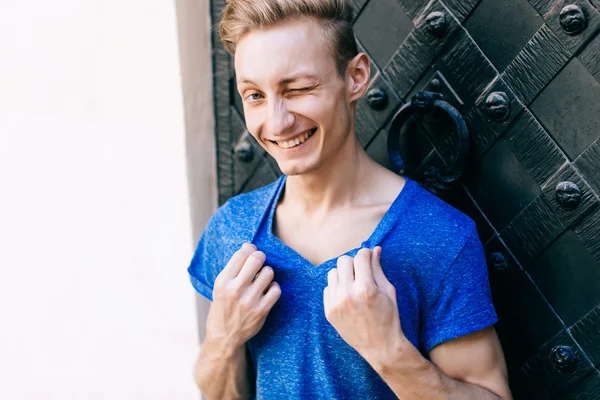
(207, 261)
(463, 302)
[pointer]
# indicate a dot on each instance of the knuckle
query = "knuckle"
(236, 260)
(263, 311)
(345, 301)
(392, 289)
(246, 305)
(365, 293)
(238, 256)
(232, 291)
(267, 272)
(219, 281)
(364, 252)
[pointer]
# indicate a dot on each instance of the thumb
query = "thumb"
(378, 275)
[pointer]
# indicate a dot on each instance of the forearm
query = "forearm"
(411, 376)
(223, 373)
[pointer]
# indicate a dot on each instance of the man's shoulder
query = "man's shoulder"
(244, 210)
(428, 223)
(430, 212)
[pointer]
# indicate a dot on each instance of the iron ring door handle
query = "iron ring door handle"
(423, 103)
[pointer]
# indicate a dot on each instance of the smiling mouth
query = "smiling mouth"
(297, 141)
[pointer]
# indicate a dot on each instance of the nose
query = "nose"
(279, 118)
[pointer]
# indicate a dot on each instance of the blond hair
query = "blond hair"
(335, 16)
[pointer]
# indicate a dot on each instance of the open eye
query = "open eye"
(252, 97)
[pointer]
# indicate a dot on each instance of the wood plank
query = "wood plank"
(590, 57)
(536, 65)
(588, 232)
(534, 148)
(413, 8)
(418, 51)
(471, 71)
(588, 164)
(370, 121)
(461, 8)
(589, 389)
(587, 333)
(357, 6)
(262, 176)
(407, 64)
(542, 6)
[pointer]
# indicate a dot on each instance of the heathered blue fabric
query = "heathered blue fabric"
(430, 252)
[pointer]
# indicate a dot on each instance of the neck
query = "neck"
(342, 180)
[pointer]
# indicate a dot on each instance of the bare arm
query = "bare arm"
(243, 295)
(358, 294)
(223, 373)
(469, 367)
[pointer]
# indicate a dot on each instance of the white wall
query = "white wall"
(95, 230)
(196, 69)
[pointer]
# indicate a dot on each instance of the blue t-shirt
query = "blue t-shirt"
(430, 252)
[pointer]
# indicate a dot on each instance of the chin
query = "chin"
(292, 169)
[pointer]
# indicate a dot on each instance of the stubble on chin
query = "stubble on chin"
(295, 170)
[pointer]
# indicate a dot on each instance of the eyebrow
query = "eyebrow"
(286, 80)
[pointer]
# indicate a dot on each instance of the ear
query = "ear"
(358, 74)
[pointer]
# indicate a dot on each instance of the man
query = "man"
(342, 279)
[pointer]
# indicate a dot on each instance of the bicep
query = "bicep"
(476, 358)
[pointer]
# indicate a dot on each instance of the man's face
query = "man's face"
(292, 94)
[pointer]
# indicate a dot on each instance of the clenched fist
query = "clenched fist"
(360, 303)
(243, 295)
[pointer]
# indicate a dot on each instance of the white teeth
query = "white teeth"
(295, 142)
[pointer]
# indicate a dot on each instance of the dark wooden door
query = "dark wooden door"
(525, 77)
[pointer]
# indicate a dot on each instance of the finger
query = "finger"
(326, 302)
(362, 266)
(378, 274)
(333, 278)
(345, 267)
(252, 265)
(271, 296)
(259, 286)
(236, 262)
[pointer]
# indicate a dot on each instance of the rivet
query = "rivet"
(497, 106)
(497, 261)
(568, 194)
(572, 19)
(435, 85)
(244, 151)
(436, 23)
(377, 99)
(564, 359)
